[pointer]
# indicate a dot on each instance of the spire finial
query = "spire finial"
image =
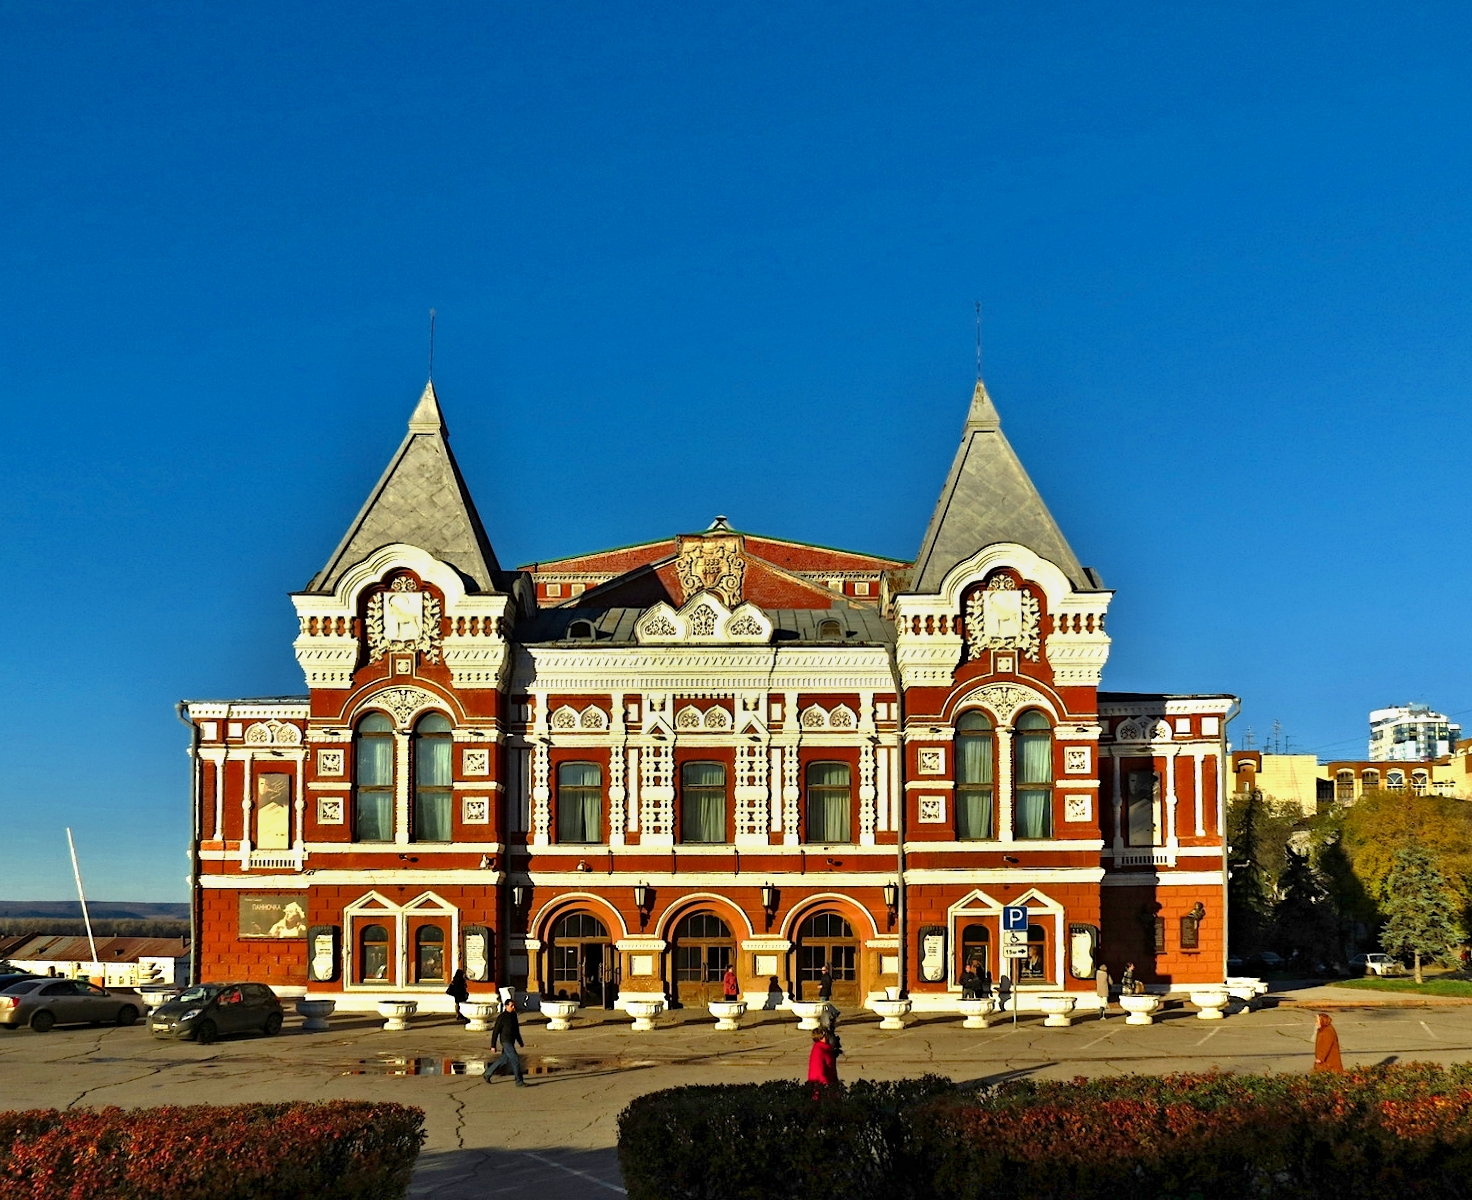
(978, 341)
(431, 345)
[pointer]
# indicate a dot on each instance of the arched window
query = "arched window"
(373, 779)
(1370, 780)
(702, 802)
(1036, 967)
(830, 631)
(579, 802)
(1418, 782)
(429, 954)
(829, 806)
(1034, 776)
(432, 747)
(975, 755)
(373, 952)
(1395, 781)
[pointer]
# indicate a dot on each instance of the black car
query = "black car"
(207, 1011)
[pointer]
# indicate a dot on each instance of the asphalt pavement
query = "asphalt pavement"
(554, 1139)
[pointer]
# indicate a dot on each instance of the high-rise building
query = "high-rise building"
(1411, 733)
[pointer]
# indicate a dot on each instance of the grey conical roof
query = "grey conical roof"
(420, 500)
(989, 498)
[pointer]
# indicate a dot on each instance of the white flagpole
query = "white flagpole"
(77, 871)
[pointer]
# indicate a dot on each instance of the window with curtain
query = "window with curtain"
(702, 802)
(579, 802)
(432, 795)
(828, 802)
(373, 779)
(1034, 739)
(975, 754)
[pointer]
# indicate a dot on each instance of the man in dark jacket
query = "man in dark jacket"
(507, 1033)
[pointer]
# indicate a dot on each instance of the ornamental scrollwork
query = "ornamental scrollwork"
(1002, 616)
(403, 619)
(712, 565)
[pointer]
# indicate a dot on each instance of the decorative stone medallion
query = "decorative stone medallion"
(404, 619)
(1002, 616)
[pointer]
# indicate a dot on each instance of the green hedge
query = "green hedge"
(1401, 1130)
(340, 1150)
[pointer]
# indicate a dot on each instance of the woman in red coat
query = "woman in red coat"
(823, 1060)
(1326, 1045)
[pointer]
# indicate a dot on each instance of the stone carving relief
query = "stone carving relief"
(1002, 616)
(714, 565)
(704, 618)
(403, 702)
(840, 717)
(1004, 699)
(403, 618)
(1143, 729)
(477, 810)
(329, 762)
(272, 733)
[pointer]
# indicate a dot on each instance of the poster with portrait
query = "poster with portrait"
(273, 917)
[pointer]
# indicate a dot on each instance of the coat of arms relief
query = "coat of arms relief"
(402, 619)
(1002, 616)
(712, 564)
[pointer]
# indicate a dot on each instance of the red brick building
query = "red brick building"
(615, 774)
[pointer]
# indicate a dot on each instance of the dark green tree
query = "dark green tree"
(1422, 910)
(1258, 828)
(1306, 919)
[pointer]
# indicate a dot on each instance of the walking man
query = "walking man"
(507, 1032)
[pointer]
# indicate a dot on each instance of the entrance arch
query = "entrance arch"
(825, 938)
(701, 948)
(580, 959)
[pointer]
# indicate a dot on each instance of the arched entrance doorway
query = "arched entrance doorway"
(976, 948)
(826, 939)
(580, 959)
(702, 950)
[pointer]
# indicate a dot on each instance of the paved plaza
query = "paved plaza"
(555, 1139)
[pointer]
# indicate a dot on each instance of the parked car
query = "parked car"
(44, 1001)
(1265, 960)
(1374, 964)
(17, 977)
(208, 1010)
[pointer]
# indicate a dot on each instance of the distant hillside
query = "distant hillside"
(98, 910)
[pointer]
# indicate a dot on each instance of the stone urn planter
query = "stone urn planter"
(1057, 1010)
(978, 1012)
(643, 1012)
(478, 1014)
(1249, 991)
(396, 1013)
(314, 1013)
(892, 1013)
(1140, 1010)
(728, 1013)
(1210, 1002)
(559, 1013)
(808, 1012)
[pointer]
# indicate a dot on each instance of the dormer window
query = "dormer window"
(580, 631)
(830, 630)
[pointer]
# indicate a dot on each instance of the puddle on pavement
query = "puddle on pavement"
(535, 1064)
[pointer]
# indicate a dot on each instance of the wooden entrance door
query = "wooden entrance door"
(826, 939)
(703, 949)
(577, 958)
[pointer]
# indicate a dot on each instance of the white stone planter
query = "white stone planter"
(559, 1013)
(1140, 1010)
(1057, 1010)
(892, 1013)
(728, 1013)
(314, 1013)
(808, 1012)
(978, 1013)
(643, 1012)
(1210, 1002)
(396, 1013)
(478, 1014)
(1248, 990)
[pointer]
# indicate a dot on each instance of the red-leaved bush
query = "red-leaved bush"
(339, 1150)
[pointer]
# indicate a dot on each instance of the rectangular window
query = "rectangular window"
(828, 802)
(1142, 823)
(974, 786)
(702, 802)
(1034, 777)
(432, 788)
(579, 802)
(273, 812)
(374, 799)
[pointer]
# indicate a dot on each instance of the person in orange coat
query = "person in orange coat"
(823, 1059)
(1326, 1045)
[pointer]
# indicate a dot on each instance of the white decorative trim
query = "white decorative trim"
(331, 810)
(1078, 807)
(330, 762)
(273, 733)
(703, 618)
(475, 810)
(931, 760)
(477, 762)
(932, 810)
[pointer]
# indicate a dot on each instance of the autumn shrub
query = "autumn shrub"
(339, 1150)
(1399, 1130)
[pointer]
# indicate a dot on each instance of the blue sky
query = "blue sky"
(699, 259)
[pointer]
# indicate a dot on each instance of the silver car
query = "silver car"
(42, 1003)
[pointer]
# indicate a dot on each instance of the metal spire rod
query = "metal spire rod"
(77, 872)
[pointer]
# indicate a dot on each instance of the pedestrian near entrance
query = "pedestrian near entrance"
(729, 985)
(1326, 1045)
(459, 992)
(983, 984)
(1004, 992)
(1101, 989)
(825, 983)
(823, 1060)
(507, 1034)
(1127, 980)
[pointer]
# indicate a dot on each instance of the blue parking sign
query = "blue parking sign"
(1014, 918)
